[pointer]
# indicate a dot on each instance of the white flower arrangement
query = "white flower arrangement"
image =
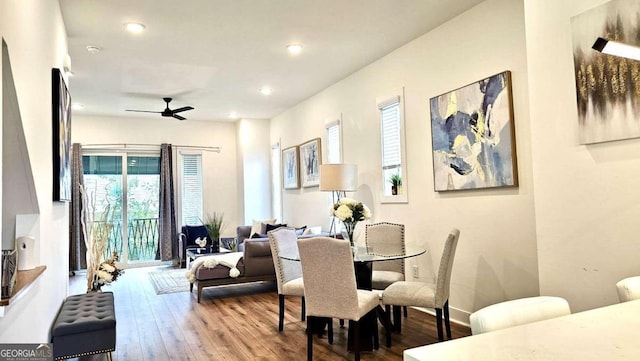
(350, 212)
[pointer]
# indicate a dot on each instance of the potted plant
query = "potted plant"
(396, 183)
(215, 225)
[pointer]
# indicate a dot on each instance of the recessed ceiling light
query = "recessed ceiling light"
(233, 115)
(77, 106)
(93, 49)
(134, 27)
(265, 90)
(294, 49)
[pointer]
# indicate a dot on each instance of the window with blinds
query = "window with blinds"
(333, 146)
(392, 138)
(191, 190)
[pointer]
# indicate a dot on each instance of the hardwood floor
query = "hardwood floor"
(231, 323)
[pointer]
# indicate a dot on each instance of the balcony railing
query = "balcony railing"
(142, 236)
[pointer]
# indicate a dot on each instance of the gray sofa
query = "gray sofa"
(256, 265)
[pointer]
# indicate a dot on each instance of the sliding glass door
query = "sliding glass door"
(124, 203)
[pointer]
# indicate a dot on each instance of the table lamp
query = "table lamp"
(338, 179)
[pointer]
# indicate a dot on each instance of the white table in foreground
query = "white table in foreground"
(607, 333)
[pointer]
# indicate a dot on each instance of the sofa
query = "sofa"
(256, 264)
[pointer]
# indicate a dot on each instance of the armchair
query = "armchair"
(187, 239)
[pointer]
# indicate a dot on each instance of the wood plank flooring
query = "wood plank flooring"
(231, 323)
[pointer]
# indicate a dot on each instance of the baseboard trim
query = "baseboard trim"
(456, 315)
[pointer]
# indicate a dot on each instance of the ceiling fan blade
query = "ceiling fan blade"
(182, 109)
(179, 117)
(141, 111)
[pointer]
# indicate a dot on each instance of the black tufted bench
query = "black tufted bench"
(85, 325)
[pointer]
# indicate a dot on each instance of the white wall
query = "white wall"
(36, 38)
(496, 257)
(587, 207)
(219, 169)
(254, 169)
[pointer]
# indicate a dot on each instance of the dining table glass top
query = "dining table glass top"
(361, 254)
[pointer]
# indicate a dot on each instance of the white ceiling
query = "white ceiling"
(216, 54)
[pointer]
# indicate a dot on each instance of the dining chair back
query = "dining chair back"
(330, 286)
(386, 239)
(427, 294)
(629, 289)
(284, 240)
(517, 312)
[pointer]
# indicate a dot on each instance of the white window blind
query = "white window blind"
(333, 142)
(391, 152)
(191, 189)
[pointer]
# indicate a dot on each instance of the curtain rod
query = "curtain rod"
(133, 145)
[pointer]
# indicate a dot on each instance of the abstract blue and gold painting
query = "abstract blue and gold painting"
(473, 139)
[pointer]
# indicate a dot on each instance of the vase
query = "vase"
(348, 233)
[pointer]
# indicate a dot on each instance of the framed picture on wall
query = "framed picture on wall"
(61, 125)
(310, 160)
(473, 137)
(290, 171)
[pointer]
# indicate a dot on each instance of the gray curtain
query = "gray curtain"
(77, 248)
(168, 247)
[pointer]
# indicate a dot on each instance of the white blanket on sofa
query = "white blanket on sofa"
(230, 260)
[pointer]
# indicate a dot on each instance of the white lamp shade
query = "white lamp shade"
(338, 177)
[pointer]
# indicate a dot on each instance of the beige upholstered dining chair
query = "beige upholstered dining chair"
(385, 239)
(288, 273)
(517, 312)
(330, 288)
(426, 294)
(629, 289)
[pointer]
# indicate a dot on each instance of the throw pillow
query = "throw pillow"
(271, 227)
(257, 226)
(259, 235)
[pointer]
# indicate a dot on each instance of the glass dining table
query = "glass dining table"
(363, 259)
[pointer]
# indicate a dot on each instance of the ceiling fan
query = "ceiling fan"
(166, 112)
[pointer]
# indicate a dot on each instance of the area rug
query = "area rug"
(169, 281)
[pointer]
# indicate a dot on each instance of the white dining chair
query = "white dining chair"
(517, 312)
(331, 290)
(426, 294)
(288, 273)
(629, 289)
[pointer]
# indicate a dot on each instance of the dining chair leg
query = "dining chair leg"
(397, 318)
(281, 313)
(356, 338)
(341, 323)
(439, 324)
(447, 323)
(376, 335)
(406, 313)
(310, 338)
(386, 322)
(304, 310)
(330, 331)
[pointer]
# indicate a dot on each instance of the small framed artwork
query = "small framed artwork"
(473, 137)
(310, 160)
(290, 168)
(61, 125)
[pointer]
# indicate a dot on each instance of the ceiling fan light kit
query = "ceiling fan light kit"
(167, 112)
